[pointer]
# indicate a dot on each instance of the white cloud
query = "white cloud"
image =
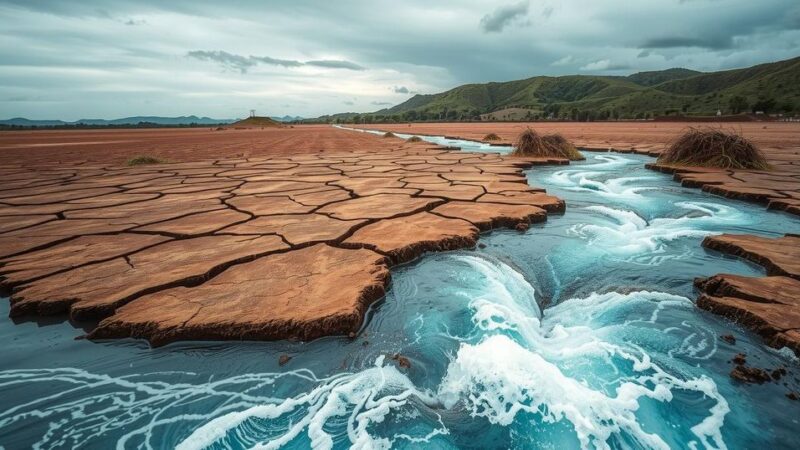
(565, 61)
(602, 64)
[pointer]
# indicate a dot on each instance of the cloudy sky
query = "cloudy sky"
(115, 58)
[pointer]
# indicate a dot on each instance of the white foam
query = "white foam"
(627, 235)
(591, 178)
(502, 376)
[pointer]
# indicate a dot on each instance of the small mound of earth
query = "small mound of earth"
(257, 121)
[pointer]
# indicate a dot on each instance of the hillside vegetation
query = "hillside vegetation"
(770, 88)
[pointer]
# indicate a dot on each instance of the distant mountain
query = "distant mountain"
(772, 87)
(23, 122)
(182, 120)
(286, 118)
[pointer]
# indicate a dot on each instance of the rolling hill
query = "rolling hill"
(771, 88)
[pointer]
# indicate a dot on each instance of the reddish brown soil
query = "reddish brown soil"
(245, 248)
(176, 144)
(767, 305)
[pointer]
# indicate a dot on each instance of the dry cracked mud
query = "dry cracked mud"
(768, 305)
(244, 248)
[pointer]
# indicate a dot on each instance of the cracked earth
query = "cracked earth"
(244, 248)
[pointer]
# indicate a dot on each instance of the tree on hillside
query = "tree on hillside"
(738, 104)
(764, 105)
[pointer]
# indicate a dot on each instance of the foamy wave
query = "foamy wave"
(627, 235)
(575, 364)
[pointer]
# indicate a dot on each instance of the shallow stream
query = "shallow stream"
(580, 332)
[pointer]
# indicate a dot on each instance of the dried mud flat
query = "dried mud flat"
(115, 146)
(248, 248)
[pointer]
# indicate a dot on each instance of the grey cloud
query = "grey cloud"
(547, 12)
(226, 59)
(503, 16)
(89, 68)
(349, 103)
(242, 63)
(335, 64)
(712, 42)
(276, 62)
(380, 103)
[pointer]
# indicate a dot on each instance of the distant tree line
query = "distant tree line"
(561, 112)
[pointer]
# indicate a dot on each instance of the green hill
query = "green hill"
(661, 76)
(772, 88)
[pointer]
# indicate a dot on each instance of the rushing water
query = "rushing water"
(581, 332)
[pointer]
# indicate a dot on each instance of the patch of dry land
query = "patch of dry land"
(295, 240)
(115, 146)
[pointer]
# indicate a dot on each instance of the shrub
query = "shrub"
(144, 160)
(531, 143)
(713, 148)
(389, 134)
(491, 137)
(414, 139)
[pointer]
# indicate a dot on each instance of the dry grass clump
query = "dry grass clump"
(389, 134)
(491, 137)
(142, 160)
(531, 143)
(414, 139)
(713, 148)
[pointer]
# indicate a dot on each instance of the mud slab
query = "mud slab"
(769, 305)
(244, 248)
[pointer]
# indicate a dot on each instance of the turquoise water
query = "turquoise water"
(580, 332)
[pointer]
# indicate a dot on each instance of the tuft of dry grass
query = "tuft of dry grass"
(531, 143)
(712, 147)
(414, 139)
(142, 160)
(491, 137)
(389, 134)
